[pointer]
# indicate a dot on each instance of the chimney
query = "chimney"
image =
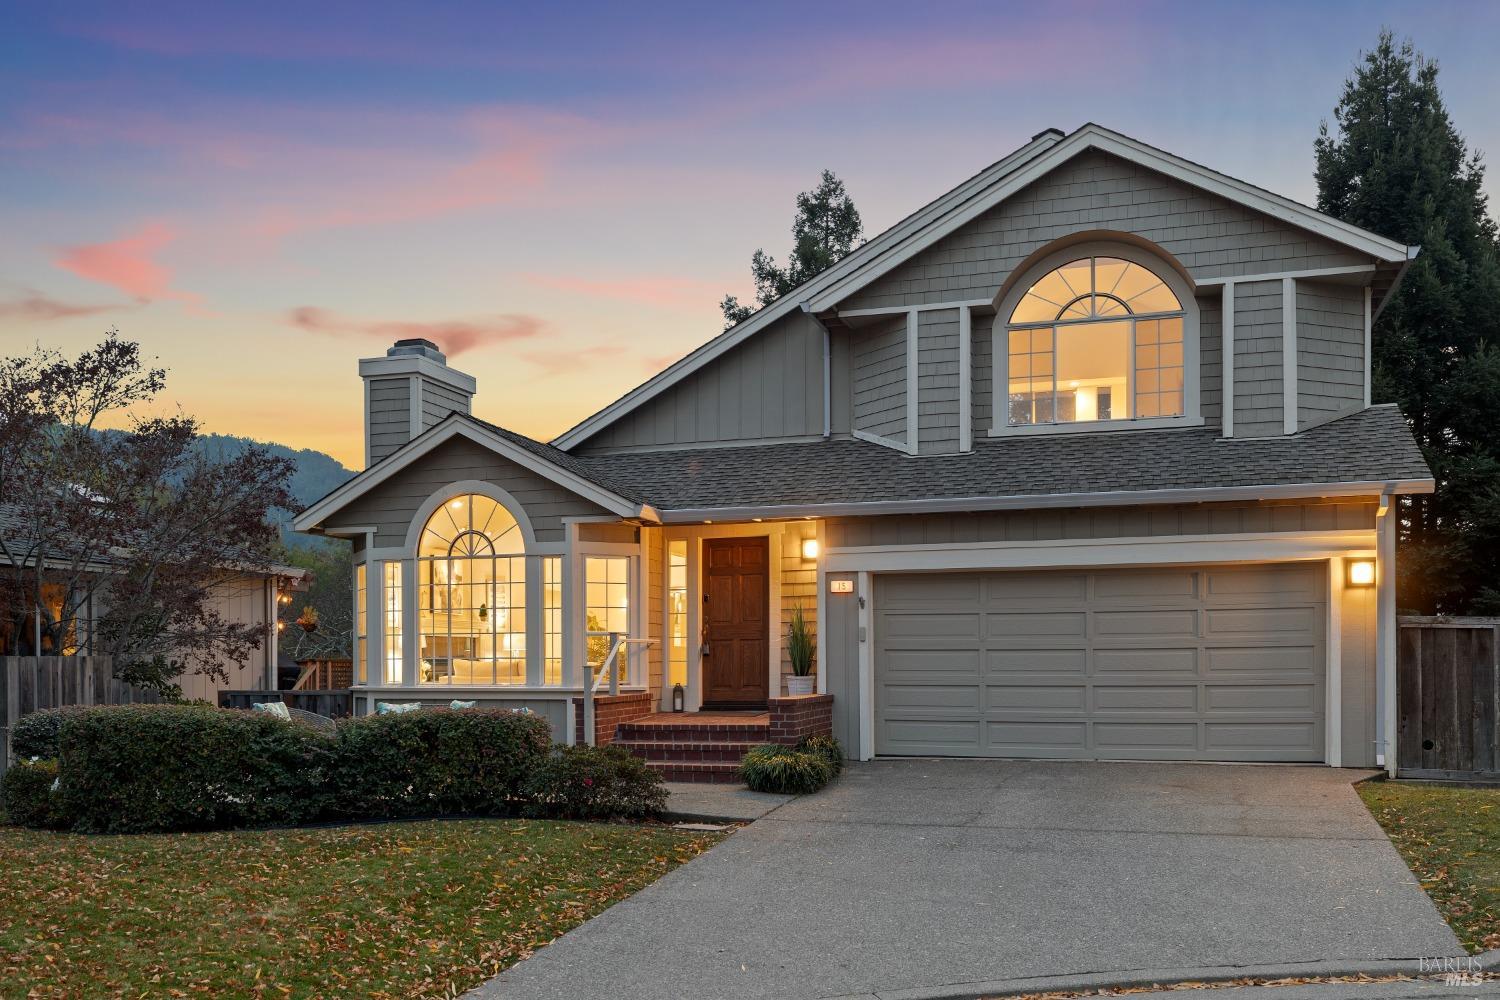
(407, 391)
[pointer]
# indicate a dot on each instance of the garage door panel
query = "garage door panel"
(1177, 698)
(1038, 661)
(1145, 585)
(1119, 738)
(1161, 664)
(1029, 624)
(1158, 624)
(1039, 734)
(1260, 698)
(1036, 697)
(1147, 659)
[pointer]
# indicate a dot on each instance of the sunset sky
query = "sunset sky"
(560, 194)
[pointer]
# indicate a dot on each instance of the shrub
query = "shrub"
(436, 762)
(785, 770)
(26, 792)
(154, 768)
(598, 783)
(828, 747)
(36, 735)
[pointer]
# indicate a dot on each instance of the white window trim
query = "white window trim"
(1000, 346)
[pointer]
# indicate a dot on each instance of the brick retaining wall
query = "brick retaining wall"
(794, 717)
(609, 711)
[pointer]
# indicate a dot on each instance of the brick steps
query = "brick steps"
(707, 773)
(635, 732)
(720, 751)
(681, 748)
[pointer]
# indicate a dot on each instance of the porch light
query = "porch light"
(677, 698)
(1360, 572)
(809, 548)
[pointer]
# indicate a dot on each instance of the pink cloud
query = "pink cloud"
(454, 337)
(653, 290)
(128, 264)
(34, 306)
(558, 362)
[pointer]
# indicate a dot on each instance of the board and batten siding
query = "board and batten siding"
(1257, 359)
(878, 379)
(937, 382)
(389, 415)
(769, 387)
(389, 507)
(1104, 522)
(1330, 350)
(1209, 235)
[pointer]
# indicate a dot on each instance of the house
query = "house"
(1076, 461)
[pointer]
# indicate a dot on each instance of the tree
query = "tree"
(1394, 163)
(826, 228)
(120, 538)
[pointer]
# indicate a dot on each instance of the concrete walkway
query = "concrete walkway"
(924, 876)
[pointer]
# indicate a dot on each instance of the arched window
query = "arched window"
(1099, 338)
(471, 600)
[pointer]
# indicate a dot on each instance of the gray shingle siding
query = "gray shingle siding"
(438, 401)
(389, 416)
(1330, 350)
(982, 368)
(1209, 235)
(390, 506)
(878, 379)
(1257, 359)
(769, 387)
(937, 382)
(1211, 359)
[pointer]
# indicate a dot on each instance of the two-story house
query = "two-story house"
(1077, 461)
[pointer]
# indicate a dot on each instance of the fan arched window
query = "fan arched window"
(471, 601)
(1099, 338)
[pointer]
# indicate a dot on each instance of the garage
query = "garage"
(1220, 663)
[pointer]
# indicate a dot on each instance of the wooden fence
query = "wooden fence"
(324, 675)
(1448, 698)
(336, 704)
(32, 683)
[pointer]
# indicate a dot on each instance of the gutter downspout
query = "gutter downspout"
(1385, 632)
(827, 371)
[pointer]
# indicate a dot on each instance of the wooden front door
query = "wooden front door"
(736, 606)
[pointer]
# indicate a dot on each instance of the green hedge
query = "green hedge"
(598, 783)
(26, 792)
(159, 768)
(435, 762)
(149, 768)
(36, 735)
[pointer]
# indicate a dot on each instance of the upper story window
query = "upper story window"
(1098, 338)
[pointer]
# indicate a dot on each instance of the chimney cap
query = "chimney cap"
(420, 346)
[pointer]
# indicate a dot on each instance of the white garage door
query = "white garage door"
(1195, 663)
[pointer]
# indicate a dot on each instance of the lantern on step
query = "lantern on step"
(678, 698)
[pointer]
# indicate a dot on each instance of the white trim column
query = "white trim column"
(1385, 633)
(536, 627)
(865, 637)
(913, 322)
(573, 644)
(411, 670)
(1333, 688)
(692, 698)
(1226, 394)
(965, 378)
(1369, 361)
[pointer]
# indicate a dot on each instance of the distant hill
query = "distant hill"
(317, 473)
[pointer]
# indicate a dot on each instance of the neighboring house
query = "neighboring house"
(1077, 461)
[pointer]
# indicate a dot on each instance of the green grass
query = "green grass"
(394, 910)
(1450, 838)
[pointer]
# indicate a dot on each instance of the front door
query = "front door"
(736, 603)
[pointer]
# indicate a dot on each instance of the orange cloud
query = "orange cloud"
(127, 263)
(34, 306)
(454, 337)
(652, 290)
(557, 362)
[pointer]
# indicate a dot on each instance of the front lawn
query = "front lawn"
(1450, 838)
(393, 910)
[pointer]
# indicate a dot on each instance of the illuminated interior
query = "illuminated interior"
(1096, 339)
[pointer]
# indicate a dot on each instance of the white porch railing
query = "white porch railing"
(607, 672)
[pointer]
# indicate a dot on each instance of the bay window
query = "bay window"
(1099, 338)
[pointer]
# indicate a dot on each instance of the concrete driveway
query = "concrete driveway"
(925, 873)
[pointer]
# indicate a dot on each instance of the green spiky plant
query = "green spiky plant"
(799, 643)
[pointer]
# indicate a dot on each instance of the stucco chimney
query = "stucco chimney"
(407, 391)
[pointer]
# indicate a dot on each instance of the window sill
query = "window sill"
(1095, 426)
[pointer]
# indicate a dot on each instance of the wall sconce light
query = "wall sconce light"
(1360, 572)
(809, 548)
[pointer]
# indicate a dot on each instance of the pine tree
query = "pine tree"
(1395, 164)
(826, 228)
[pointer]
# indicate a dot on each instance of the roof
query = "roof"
(984, 191)
(1363, 452)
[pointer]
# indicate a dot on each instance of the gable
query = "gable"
(1209, 235)
(390, 506)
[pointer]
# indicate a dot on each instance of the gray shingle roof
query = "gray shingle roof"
(1373, 445)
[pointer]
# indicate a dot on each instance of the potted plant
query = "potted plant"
(309, 619)
(799, 647)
